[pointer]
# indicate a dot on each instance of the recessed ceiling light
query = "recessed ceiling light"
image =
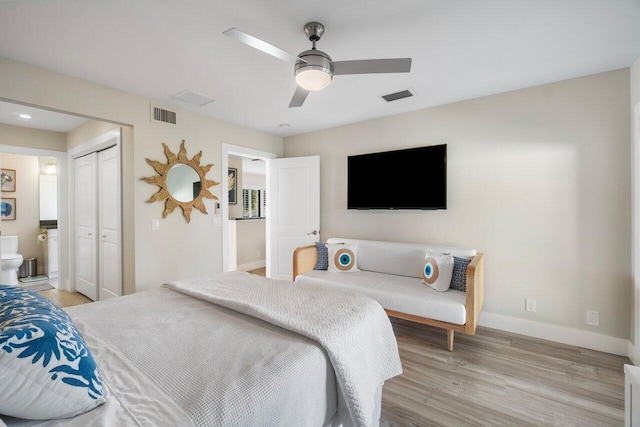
(284, 125)
(24, 116)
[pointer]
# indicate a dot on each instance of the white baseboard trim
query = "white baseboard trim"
(560, 334)
(252, 265)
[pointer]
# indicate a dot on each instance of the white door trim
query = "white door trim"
(228, 149)
(96, 144)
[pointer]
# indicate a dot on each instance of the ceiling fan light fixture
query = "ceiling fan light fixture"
(316, 73)
(310, 79)
(314, 69)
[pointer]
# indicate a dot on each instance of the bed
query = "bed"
(233, 349)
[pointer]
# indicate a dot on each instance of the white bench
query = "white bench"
(391, 273)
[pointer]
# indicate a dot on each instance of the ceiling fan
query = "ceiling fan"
(314, 69)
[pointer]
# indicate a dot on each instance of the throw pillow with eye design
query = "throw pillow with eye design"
(437, 271)
(342, 258)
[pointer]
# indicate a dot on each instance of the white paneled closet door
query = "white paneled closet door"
(109, 220)
(86, 225)
(98, 220)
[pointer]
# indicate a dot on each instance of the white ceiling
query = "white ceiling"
(461, 49)
(40, 119)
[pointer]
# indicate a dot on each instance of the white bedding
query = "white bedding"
(353, 329)
(131, 398)
(171, 359)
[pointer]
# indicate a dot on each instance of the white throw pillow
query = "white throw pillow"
(437, 270)
(342, 258)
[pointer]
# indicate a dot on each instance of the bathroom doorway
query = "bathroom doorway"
(29, 216)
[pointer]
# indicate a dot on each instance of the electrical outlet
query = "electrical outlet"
(593, 318)
(530, 305)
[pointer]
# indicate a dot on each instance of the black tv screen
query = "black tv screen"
(415, 178)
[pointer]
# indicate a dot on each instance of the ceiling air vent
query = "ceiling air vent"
(162, 115)
(192, 98)
(398, 95)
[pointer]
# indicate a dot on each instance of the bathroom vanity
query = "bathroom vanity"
(51, 264)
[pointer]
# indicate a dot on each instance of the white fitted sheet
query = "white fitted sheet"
(398, 293)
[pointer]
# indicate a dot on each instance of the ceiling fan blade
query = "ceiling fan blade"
(372, 66)
(256, 43)
(298, 97)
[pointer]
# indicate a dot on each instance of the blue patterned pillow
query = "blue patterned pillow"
(459, 278)
(46, 368)
(323, 257)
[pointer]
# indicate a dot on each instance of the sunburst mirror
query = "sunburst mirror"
(182, 182)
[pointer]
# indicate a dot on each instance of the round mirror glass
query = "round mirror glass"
(183, 183)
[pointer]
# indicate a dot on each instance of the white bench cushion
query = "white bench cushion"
(403, 259)
(398, 293)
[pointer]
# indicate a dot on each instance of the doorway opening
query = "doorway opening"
(52, 135)
(245, 209)
(29, 216)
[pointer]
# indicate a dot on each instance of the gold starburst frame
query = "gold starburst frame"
(161, 181)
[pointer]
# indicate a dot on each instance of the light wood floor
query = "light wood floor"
(498, 378)
(259, 271)
(65, 298)
(492, 378)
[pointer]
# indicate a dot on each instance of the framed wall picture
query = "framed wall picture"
(8, 180)
(8, 208)
(233, 186)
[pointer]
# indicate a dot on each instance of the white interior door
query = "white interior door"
(109, 220)
(293, 210)
(86, 224)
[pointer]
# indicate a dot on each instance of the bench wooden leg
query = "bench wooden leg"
(450, 333)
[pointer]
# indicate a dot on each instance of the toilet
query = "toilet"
(11, 260)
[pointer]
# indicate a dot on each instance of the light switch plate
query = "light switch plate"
(155, 224)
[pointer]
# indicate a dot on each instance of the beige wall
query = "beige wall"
(32, 138)
(87, 131)
(254, 179)
(27, 223)
(251, 244)
(177, 249)
(538, 180)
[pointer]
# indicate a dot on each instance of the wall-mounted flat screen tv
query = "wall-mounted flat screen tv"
(414, 178)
